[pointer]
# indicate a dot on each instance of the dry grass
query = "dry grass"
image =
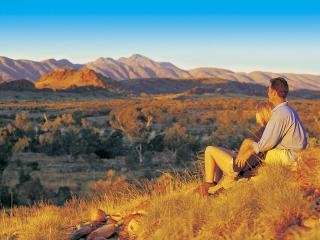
(272, 206)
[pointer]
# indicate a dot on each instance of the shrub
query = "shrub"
(147, 156)
(175, 136)
(112, 185)
(22, 122)
(132, 159)
(62, 195)
(184, 154)
(21, 144)
(110, 145)
(157, 143)
(5, 197)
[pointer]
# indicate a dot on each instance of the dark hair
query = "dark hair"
(280, 85)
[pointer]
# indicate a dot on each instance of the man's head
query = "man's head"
(278, 90)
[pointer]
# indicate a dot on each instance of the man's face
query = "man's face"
(270, 94)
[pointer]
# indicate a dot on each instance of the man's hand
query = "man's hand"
(245, 152)
(241, 162)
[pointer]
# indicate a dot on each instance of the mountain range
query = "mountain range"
(141, 67)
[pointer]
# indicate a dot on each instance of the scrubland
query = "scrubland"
(152, 134)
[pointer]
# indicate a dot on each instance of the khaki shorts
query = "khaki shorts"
(282, 156)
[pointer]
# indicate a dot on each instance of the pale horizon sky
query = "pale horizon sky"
(242, 36)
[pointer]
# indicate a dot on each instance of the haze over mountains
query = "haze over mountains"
(139, 67)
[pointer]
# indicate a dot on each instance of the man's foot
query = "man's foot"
(204, 187)
(225, 183)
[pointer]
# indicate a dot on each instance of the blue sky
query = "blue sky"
(279, 36)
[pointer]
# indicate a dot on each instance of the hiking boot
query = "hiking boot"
(225, 183)
(204, 187)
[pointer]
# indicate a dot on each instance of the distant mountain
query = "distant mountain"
(296, 81)
(136, 66)
(30, 70)
(140, 67)
(62, 79)
(188, 88)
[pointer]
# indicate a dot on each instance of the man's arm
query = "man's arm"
(245, 152)
(272, 134)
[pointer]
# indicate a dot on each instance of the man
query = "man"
(284, 136)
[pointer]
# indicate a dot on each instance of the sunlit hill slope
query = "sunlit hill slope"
(278, 204)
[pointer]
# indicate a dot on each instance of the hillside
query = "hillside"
(18, 85)
(55, 149)
(141, 67)
(61, 79)
(85, 82)
(278, 204)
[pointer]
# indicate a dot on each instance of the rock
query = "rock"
(116, 217)
(71, 78)
(123, 234)
(104, 231)
(99, 216)
(81, 232)
(134, 226)
(85, 230)
(311, 222)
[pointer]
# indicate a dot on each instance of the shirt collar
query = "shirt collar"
(280, 105)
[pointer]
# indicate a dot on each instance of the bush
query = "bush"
(64, 136)
(113, 185)
(184, 154)
(22, 122)
(62, 195)
(147, 158)
(29, 191)
(5, 197)
(175, 136)
(132, 159)
(21, 144)
(110, 145)
(157, 143)
(8, 139)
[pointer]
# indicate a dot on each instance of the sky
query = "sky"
(243, 35)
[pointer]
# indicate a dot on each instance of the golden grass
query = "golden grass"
(270, 206)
